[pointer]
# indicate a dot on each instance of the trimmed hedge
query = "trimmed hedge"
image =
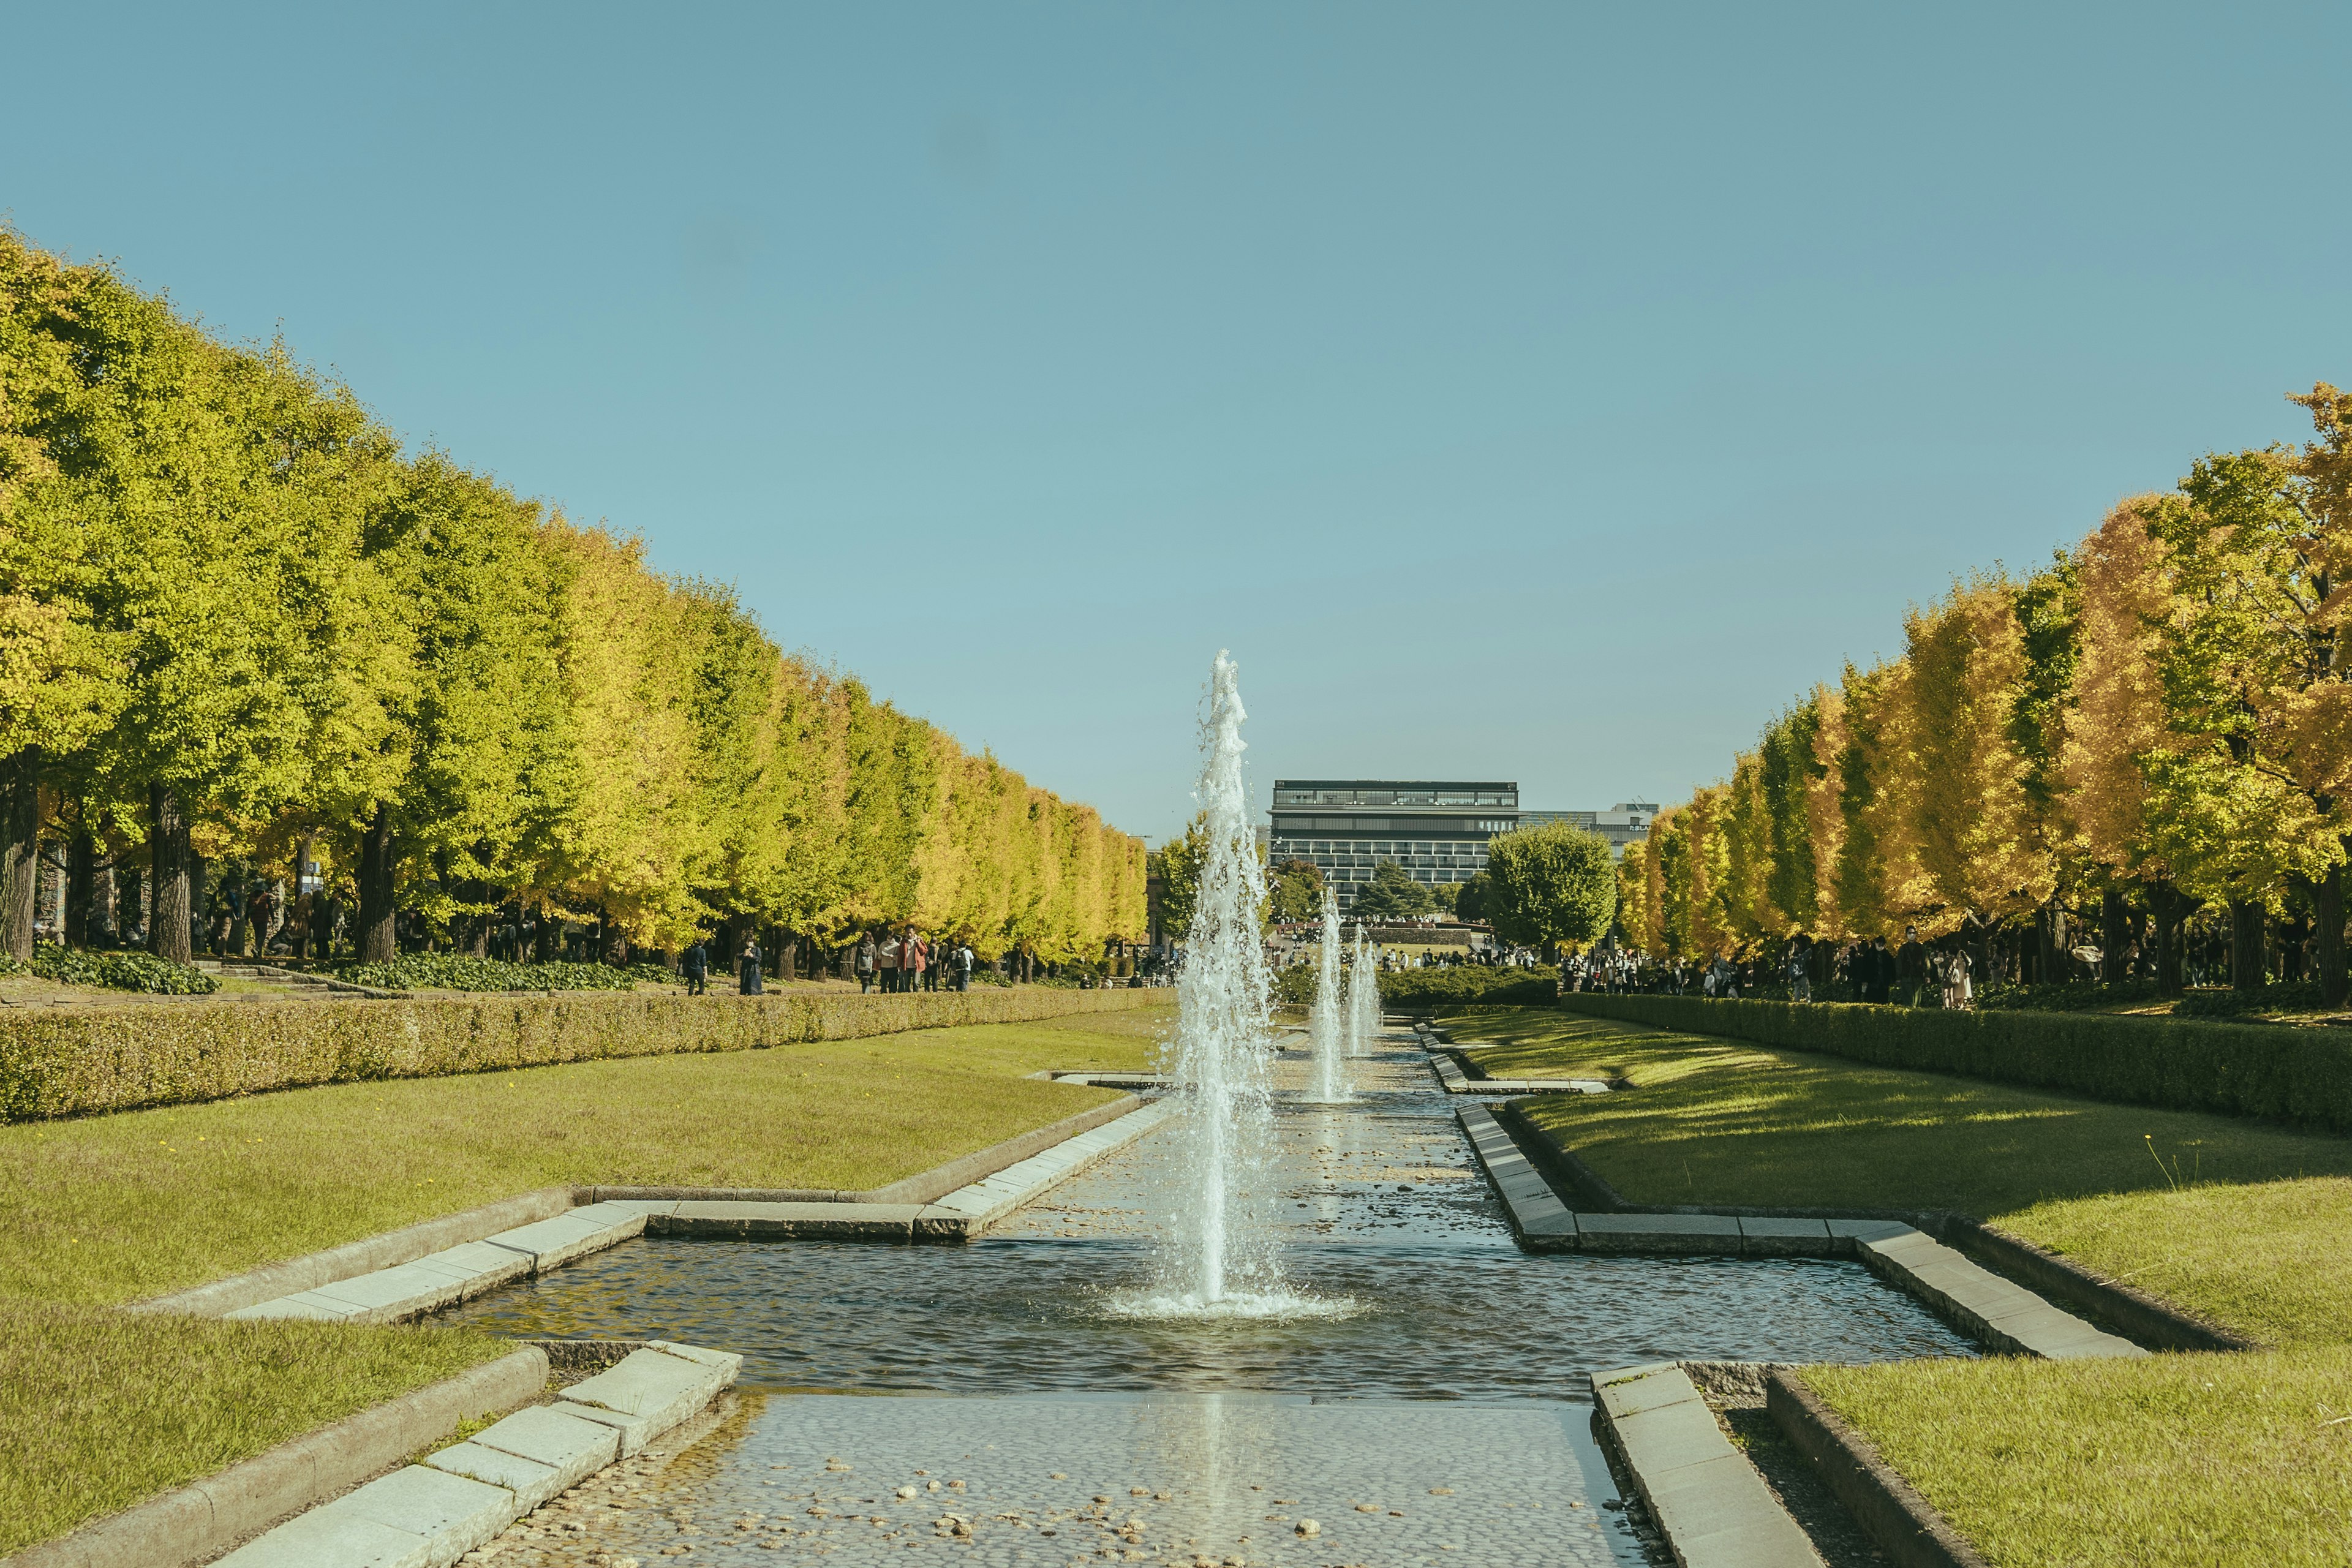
(79, 1061)
(456, 971)
(1466, 985)
(1447, 985)
(126, 969)
(2301, 1076)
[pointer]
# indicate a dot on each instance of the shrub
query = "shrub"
(2284, 997)
(456, 971)
(2301, 1076)
(2064, 996)
(1463, 984)
(128, 970)
(1451, 985)
(77, 1061)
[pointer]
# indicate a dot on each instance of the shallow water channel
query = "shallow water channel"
(1433, 1412)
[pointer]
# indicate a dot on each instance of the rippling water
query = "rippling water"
(1386, 1225)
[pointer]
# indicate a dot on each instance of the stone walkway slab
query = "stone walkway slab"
(462, 1272)
(2004, 1315)
(429, 1515)
(1708, 1501)
(1455, 1081)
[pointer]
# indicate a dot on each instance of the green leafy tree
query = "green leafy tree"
(1474, 898)
(1391, 894)
(1296, 890)
(1554, 885)
(1177, 864)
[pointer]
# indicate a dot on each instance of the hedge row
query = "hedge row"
(2301, 1076)
(83, 1061)
(1449, 985)
(1462, 984)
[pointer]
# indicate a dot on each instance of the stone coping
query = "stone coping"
(1890, 1510)
(1704, 1496)
(195, 1524)
(451, 1234)
(1997, 1312)
(455, 1274)
(2141, 1318)
(1456, 1079)
(430, 1514)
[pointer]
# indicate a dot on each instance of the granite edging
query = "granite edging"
(196, 1522)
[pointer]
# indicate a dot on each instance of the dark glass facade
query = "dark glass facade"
(1437, 830)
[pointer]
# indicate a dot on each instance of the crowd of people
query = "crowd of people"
(1910, 974)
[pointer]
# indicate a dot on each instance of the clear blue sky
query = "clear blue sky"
(1542, 392)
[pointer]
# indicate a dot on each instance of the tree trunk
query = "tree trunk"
(376, 940)
(787, 955)
(543, 948)
(81, 887)
(2246, 922)
(2050, 928)
(20, 859)
(2164, 901)
(2327, 936)
(2111, 936)
(167, 896)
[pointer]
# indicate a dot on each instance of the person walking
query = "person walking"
(1801, 979)
(748, 967)
(1956, 993)
(885, 962)
(864, 960)
(963, 966)
(1910, 968)
(697, 967)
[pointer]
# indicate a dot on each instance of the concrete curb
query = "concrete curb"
(455, 1274)
(429, 1515)
(936, 1183)
(366, 1255)
(1996, 1312)
(2137, 1315)
(1889, 1508)
(198, 1522)
(1704, 1496)
(2134, 1316)
(1456, 1079)
(422, 1242)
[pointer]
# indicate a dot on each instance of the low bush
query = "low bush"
(1449, 985)
(1462, 984)
(2301, 1076)
(2065, 996)
(2284, 996)
(76, 1061)
(128, 970)
(457, 972)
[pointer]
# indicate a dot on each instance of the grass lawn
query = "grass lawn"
(119, 1208)
(2188, 1460)
(98, 1409)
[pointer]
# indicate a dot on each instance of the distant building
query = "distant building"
(1627, 822)
(1437, 830)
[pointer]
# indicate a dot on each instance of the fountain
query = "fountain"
(1363, 997)
(1327, 1028)
(1219, 1256)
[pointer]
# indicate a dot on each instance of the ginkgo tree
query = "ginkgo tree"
(238, 621)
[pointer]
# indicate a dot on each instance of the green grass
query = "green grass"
(2179, 1460)
(1723, 1122)
(2174, 1459)
(115, 1208)
(100, 1408)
